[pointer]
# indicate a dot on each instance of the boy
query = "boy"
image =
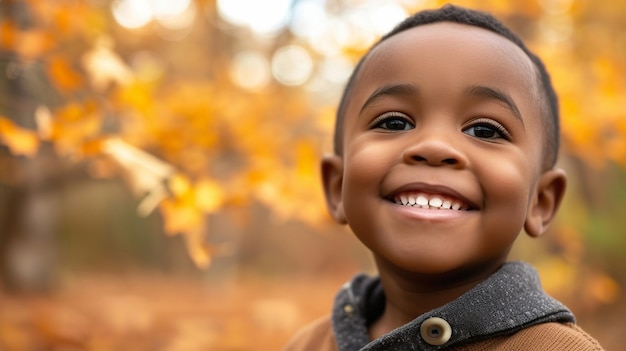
(445, 146)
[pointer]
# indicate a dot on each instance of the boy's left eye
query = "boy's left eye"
(489, 130)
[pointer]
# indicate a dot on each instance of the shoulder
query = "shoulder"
(557, 336)
(542, 337)
(317, 336)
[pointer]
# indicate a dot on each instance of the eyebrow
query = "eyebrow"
(494, 94)
(389, 90)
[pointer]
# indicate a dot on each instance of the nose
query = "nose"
(435, 149)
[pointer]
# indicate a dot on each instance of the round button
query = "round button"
(435, 331)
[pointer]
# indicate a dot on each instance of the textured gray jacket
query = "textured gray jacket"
(510, 300)
(507, 312)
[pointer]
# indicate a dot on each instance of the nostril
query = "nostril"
(446, 161)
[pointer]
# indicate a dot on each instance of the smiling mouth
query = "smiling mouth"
(430, 201)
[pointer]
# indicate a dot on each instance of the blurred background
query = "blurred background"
(159, 183)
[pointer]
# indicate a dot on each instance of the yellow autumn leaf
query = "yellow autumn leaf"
(71, 126)
(104, 66)
(8, 35)
(307, 158)
(144, 171)
(556, 274)
(209, 195)
(152, 200)
(19, 140)
(137, 95)
(179, 185)
(43, 118)
(64, 77)
(603, 288)
(34, 43)
(198, 249)
(93, 147)
(325, 119)
(181, 216)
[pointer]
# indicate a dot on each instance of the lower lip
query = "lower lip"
(429, 214)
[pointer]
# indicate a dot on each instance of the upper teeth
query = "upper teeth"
(428, 201)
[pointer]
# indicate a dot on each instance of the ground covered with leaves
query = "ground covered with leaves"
(153, 312)
(142, 312)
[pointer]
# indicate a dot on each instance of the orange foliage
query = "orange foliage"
(19, 140)
(191, 142)
(30, 44)
(74, 126)
(65, 78)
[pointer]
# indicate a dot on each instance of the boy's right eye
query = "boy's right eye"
(392, 121)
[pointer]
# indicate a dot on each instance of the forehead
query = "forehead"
(455, 54)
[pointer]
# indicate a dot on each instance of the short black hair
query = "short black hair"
(457, 14)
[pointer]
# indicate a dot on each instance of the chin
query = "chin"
(451, 270)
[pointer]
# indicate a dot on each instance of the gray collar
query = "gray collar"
(508, 301)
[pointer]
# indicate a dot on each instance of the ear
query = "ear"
(545, 202)
(332, 179)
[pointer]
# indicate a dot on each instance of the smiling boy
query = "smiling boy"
(445, 150)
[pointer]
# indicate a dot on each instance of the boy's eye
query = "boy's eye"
(487, 129)
(392, 121)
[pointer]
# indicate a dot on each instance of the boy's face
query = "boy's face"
(446, 116)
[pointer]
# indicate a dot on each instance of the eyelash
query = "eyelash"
(491, 124)
(388, 116)
(379, 122)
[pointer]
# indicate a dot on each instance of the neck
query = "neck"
(409, 295)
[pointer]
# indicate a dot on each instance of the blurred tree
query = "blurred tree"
(188, 141)
(200, 115)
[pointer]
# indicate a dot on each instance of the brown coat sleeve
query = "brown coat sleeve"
(317, 336)
(541, 337)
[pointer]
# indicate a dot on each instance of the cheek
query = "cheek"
(508, 188)
(365, 169)
(366, 165)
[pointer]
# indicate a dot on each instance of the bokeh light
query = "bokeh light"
(556, 7)
(336, 69)
(263, 17)
(175, 18)
(165, 8)
(132, 13)
(307, 17)
(555, 29)
(292, 65)
(147, 66)
(250, 70)
(331, 37)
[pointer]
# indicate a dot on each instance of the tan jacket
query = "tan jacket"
(542, 337)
